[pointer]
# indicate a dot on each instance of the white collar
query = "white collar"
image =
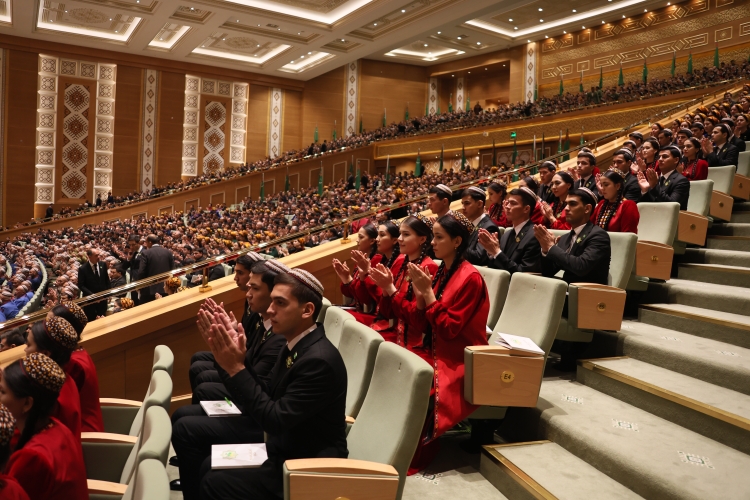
(478, 220)
(295, 340)
(578, 229)
(518, 228)
(266, 323)
(93, 266)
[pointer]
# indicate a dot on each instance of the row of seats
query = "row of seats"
(35, 303)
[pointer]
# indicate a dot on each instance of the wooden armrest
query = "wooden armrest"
(598, 286)
(349, 420)
(97, 487)
(129, 403)
(107, 437)
(498, 349)
(339, 466)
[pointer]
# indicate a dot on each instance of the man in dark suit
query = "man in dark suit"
(621, 160)
(193, 432)
(721, 152)
(670, 185)
(473, 200)
(584, 253)
(735, 141)
(517, 249)
(546, 173)
(132, 262)
(301, 410)
(154, 260)
(93, 278)
(585, 163)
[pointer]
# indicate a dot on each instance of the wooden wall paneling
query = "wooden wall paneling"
(257, 123)
(20, 137)
(483, 85)
(517, 73)
(270, 186)
(364, 165)
(294, 181)
(166, 210)
(291, 132)
(136, 215)
(127, 147)
(241, 193)
(312, 177)
(322, 104)
(339, 170)
(109, 369)
(206, 99)
(169, 138)
(390, 86)
(217, 198)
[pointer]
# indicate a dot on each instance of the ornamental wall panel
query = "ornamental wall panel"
(214, 125)
(276, 112)
(530, 68)
(148, 138)
(74, 150)
(351, 98)
(432, 98)
(460, 87)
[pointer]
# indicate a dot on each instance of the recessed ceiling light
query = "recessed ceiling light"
(602, 22)
(223, 38)
(115, 31)
(479, 43)
(669, 3)
(545, 36)
(485, 69)
(291, 62)
(503, 65)
(309, 53)
(541, 20)
(458, 38)
(425, 45)
(529, 41)
(469, 72)
(540, 9)
(239, 21)
(374, 24)
(510, 20)
(584, 27)
(192, 8)
(644, 10)
(565, 32)
(439, 32)
(110, 18)
(299, 32)
(258, 45)
(66, 11)
(301, 57)
(515, 27)
(343, 40)
(623, 16)
(403, 10)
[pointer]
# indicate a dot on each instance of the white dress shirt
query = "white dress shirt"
(295, 340)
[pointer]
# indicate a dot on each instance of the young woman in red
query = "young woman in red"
(47, 460)
(367, 246)
(363, 286)
(647, 156)
(497, 192)
(693, 166)
(398, 302)
(555, 213)
(81, 369)
(57, 339)
(613, 212)
(9, 487)
(454, 304)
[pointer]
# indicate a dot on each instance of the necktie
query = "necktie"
(572, 240)
(661, 181)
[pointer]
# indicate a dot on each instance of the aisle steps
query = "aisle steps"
(543, 469)
(715, 412)
(723, 326)
(716, 273)
(699, 294)
(737, 243)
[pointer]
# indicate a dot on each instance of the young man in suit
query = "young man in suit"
(622, 160)
(670, 185)
(193, 432)
(93, 278)
(546, 173)
(584, 253)
(439, 199)
(473, 200)
(517, 249)
(720, 152)
(154, 260)
(301, 410)
(132, 262)
(585, 163)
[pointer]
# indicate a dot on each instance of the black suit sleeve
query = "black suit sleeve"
(475, 253)
(143, 267)
(305, 396)
(82, 285)
(106, 285)
(679, 193)
(632, 191)
(596, 249)
(730, 158)
(530, 261)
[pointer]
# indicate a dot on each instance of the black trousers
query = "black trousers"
(94, 310)
(199, 362)
(263, 483)
(193, 433)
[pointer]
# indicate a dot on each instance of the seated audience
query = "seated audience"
(47, 460)
(613, 212)
(693, 166)
(622, 160)
(517, 249)
(472, 200)
(584, 172)
(497, 191)
(546, 172)
(555, 214)
(367, 245)
(647, 157)
(718, 151)
(439, 199)
(9, 487)
(301, 409)
(670, 185)
(11, 339)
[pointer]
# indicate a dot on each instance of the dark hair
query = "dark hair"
(302, 293)
(625, 153)
(372, 233)
(567, 179)
(14, 337)
(63, 312)
(549, 165)
(442, 195)
(245, 261)
(22, 386)
(474, 195)
(724, 128)
(267, 275)
(421, 229)
(454, 230)
(526, 199)
(697, 144)
(674, 151)
(654, 143)
(686, 132)
(585, 197)
(392, 229)
(58, 353)
(667, 132)
(586, 153)
(531, 183)
(658, 125)
(616, 179)
(134, 237)
(153, 239)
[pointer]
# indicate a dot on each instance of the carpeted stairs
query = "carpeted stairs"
(662, 411)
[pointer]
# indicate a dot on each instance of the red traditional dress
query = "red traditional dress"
(537, 216)
(364, 304)
(10, 489)
(68, 409)
(617, 217)
(696, 170)
(497, 214)
(560, 211)
(50, 466)
(82, 370)
(402, 306)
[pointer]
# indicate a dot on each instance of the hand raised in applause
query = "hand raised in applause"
(545, 237)
(342, 270)
(383, 278)
(489, 241)
(421, 280)
(225, 349)
(362, 261)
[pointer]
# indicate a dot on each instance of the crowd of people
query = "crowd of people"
(430, 124)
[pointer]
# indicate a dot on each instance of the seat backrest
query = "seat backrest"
(150, 483)
(533, 309)
(334, 323)
(323, 310)
(159, 394)
(153, 441)
(359, 348)
(163, 359)
(723, 178)
(497, 282)
(390, 421)
(699, 201)
(743, 163)
(227, 269)
(658, 222)
(622, 259)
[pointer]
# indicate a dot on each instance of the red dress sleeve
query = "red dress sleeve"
(82, 370)
(406, 310)
(629, 216)
(701, 171)
(561, 222)
(69, 407)
(358, 288)
(10, 489)
(33, 471)
(449, 320)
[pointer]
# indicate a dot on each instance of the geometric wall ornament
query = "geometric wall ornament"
(148, 138)
(240, 92)
(529, 81)
(190, 126)
(432, 96)
(83, 106)
(276, 112)
(215, 116)
(2, 129)
(352, 97)
(460, 94)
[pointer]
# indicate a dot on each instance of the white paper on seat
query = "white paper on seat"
(238, 456)
(514, 342)
(220, 409)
